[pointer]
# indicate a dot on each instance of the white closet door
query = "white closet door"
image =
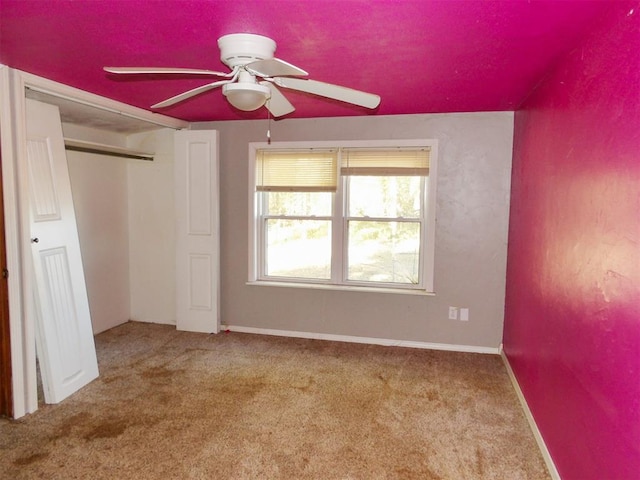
(64, 335)
(198, 237)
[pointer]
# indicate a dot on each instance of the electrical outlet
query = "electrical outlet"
(464, 314)
(453, 313)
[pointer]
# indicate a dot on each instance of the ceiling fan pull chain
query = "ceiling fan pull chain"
(268, 126)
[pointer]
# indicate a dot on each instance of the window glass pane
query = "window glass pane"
(299, 203)
(384, 196)
(298, 248)
(387, 252)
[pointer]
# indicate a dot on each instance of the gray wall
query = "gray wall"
(474, 169)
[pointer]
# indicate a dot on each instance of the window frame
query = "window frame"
(338, 280)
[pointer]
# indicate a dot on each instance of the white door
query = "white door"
(197, 235)
(64, 336)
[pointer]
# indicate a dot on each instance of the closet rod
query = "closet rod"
(99, 151)
(104, 149)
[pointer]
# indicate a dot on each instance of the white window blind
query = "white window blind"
(311, 170)
(385, 162)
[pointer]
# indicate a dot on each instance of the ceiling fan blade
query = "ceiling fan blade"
(162, 71)
(274, 67)
(344, 94)
(277, 104)
(190, 93)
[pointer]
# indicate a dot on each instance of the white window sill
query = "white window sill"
(342, 288)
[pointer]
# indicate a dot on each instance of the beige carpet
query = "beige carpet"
(176, 405)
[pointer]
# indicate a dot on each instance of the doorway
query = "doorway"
(83, 109)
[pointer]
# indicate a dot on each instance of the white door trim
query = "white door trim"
(44, 85)
(22, 339)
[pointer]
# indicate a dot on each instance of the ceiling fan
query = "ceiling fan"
(255, 77)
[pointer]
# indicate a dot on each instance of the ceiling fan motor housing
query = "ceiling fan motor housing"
(242, 48)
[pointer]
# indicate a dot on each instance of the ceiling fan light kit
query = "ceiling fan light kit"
(247, 97)
(251, 57)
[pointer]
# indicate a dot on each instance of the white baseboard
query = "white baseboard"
(367, 340)
(553, 471)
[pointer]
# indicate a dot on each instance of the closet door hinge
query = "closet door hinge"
(5, 273)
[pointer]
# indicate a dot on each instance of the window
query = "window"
(348, 214)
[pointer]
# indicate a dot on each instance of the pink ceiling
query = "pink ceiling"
(419, 56)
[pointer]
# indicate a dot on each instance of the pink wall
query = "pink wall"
(572, 320)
